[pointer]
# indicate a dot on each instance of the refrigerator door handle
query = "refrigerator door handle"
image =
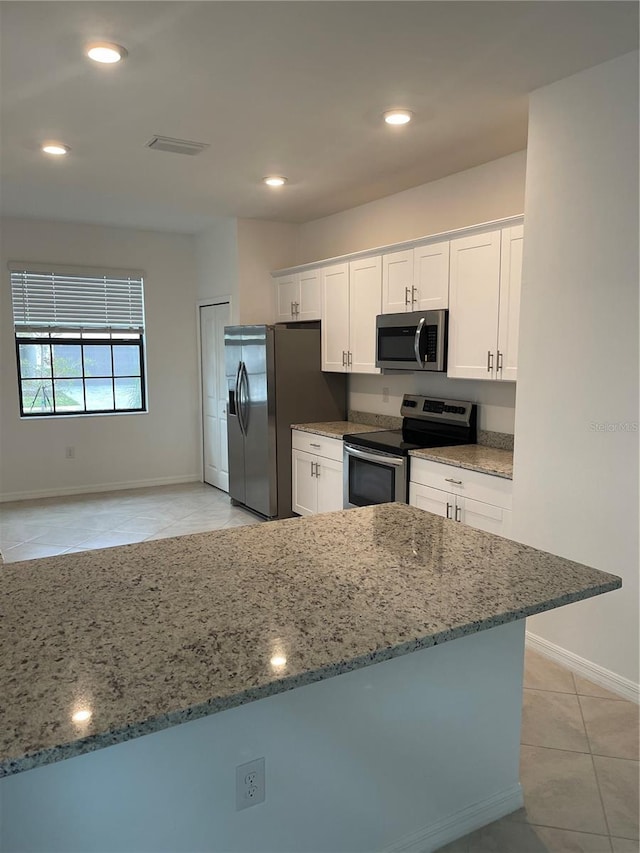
(244, 397)
(238, 403)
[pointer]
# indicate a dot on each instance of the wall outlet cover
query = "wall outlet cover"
(250, 784)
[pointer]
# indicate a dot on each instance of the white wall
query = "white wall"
(383, 395)
(217, 263)
(120, 449)
(262, 247)
(575, 486)
(491, 191)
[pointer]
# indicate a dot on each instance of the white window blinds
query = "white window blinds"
(78, 300)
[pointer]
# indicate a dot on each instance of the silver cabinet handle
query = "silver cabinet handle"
(292, 311)
(407, 292)
(349, 358)
(317, 469)
(311, 444)
(413, 295)
(344, 358)
(416, 341)
(450, 480)
(312, 473)
(500, 359)
(458, 513)
(449, 509)
(297, 307)
(489, 361)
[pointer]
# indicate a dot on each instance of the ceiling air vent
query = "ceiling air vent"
(176, 146)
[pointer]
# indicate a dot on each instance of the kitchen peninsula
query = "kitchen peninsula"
(104, 647)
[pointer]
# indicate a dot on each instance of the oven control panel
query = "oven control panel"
(432, 408)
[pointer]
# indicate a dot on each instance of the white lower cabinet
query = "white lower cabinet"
(316, 479)
(453, 493)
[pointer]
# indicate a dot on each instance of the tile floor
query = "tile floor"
(579, 743)
(42, 528)
(579, 771)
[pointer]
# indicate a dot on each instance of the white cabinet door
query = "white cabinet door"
(397, 281)
(431, 277)
(432, 500)
(287, 293)
(329, 483)
(310, 295)
(305, 491)
(509, 316)
(483, 516)
(474, 289)
(365, 303)
(335, 317)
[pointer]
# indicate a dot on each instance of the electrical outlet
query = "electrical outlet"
(250, 784)
(69, 453)
(385, 395)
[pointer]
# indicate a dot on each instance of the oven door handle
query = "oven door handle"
(416, 341)
(381, 459)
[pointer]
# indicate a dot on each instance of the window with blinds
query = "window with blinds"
(79, 341)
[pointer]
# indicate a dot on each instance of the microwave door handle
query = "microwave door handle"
(416, 341)
(390, 461)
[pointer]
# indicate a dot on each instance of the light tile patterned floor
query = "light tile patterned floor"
(42, 528)
(579, 771)
(579, 766)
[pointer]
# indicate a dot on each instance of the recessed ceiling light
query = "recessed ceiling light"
(275, 180)
(398, 116)
(56, 149)
(106, 52)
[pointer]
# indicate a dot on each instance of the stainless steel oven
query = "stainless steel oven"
(416, 340)
(373, 477)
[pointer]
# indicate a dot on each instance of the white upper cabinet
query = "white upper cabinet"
(335, 317)
(509, 315)
(365, 301)
(431, 277)
(397, 281)
(484, 304)
(351, 300)
(416, 279)
(310, 302)
(298, 296)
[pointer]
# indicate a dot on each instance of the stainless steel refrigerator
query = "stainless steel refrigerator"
(273, 380)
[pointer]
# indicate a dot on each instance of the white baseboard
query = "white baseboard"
(457, 825)
(618, 684)
(99, 487)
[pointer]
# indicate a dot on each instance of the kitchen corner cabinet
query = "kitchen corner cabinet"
(416, 279)
(351, 300)
(469, 497)
(298, 296)
(484, 304)
(316, 471)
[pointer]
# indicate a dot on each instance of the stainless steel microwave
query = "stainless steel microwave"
(413, 341)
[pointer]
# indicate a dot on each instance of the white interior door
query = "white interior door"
(213, 319)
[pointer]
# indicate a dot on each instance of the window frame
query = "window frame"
(81, 341)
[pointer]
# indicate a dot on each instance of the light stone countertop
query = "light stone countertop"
(474, 457)
(151, 635)
(335, 429)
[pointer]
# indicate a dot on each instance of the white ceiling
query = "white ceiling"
(293, 88)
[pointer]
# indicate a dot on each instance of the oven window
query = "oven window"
(370, 483)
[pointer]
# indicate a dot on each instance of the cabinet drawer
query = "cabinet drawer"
(459, 481)
(330, 448)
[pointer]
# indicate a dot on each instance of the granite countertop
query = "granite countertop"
(335, 429)
(150, 635)
(474, 457)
